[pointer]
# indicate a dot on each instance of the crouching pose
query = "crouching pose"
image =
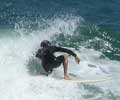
(50, 61)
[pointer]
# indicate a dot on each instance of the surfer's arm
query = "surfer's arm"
(38, 54)
(60, 49)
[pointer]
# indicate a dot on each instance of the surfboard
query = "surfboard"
(89, 81)
(97, 79)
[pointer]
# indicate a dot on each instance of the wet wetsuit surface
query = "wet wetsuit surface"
(49, 60)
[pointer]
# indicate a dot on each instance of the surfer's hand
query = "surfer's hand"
(77, 59)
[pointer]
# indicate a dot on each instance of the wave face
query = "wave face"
(104, 17)
(91, 31)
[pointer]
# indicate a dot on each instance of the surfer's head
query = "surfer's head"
(45, 43)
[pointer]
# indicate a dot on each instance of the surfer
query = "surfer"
(50, 61)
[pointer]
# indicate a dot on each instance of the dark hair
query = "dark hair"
(45, 43)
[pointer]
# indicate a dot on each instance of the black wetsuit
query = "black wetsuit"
(49, 61)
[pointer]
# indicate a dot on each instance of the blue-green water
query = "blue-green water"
(102, 14)
(90, 28)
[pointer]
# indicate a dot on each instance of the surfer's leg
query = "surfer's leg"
(63, 59)
(65, 66)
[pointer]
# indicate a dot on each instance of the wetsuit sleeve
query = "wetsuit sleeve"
(38, 54)
(59, 49)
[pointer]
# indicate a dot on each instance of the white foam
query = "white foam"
(17, 84)
(92, 65)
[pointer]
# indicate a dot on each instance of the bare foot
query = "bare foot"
(66, 77)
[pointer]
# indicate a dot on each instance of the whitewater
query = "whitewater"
(17, 84)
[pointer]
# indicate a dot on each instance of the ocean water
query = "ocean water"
(89, 28)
